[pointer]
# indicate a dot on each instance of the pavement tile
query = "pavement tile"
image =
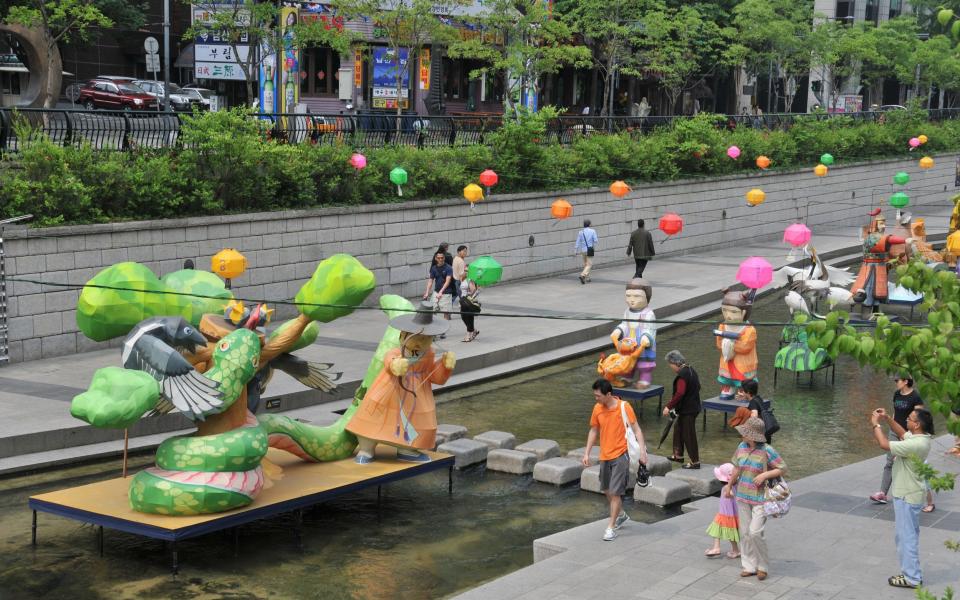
(688, 575)
(663, 590)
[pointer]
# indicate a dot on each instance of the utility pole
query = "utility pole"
(166, 55)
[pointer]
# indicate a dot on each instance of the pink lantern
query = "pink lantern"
(755, 272)
(797, 235)
(914, 142)
(733, 152)
(358, 161)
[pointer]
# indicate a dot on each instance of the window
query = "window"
(896, 8)
(319, 72)
(871, 13)
(844, 10)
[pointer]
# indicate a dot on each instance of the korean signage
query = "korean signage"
(215, 56)
(425, 69)
(290, 63)
(386, 67)
(357, 69)
(314, 11)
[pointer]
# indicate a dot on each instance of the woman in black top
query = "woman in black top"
(905, 399)
(686, 401)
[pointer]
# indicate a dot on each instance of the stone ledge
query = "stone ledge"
(663, 491)
(466, 452)
(590, 479)
(497, 439)
(449, 433)
(543, 449)
(511, 461)
(558, 471)
(701, 481)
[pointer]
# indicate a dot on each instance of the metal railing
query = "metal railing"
(109, 130)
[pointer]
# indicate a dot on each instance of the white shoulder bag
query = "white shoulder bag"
(633, 444)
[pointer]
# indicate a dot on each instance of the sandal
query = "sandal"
(929, 508)
(711, 553)
(676, 459)
(476, 332)
(733, 554)
(467, 338)
(900, 581)
(695, 465)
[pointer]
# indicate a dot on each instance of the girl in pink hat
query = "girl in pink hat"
(725, 525)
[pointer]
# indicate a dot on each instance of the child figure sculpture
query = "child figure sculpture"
(398, 410)
(737, 343)
(640, 327)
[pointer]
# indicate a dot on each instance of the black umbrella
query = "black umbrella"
(666, 430)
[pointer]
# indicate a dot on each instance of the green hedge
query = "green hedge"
(228, 165)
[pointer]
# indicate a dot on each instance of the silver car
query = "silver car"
(178, 99)
(203, 93)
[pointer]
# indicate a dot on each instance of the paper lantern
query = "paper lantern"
(398, 176)
(358, 161)
(821, 170)
(671, 224)
(797, 235)
(923, 139)
(953, 243)
(485, 271)
(899, 200)
(926, 162)
(756, 196)
(914, 142)
(619, 189)
(733, 152)
(489, 179)
(826, 159)
(755, 272)
(763, 162)
(901, 178)
(473, 193)
(561, 209)
(228, 263)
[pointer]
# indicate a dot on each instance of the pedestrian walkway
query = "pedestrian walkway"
(834, 544)
(36, 428)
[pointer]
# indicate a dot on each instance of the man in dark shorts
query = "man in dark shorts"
(607, 424)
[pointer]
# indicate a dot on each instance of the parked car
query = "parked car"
(204, 93)
(115, 95)
(888, 107)
(178, 99)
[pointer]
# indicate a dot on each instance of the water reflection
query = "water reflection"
(420, 542)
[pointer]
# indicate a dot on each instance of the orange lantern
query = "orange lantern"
(820, 170)
(926, 162)
(473, 193)
(756, 196)
(953, 243)
(923, 139)
(763, 162)
(561, 209)
(229, 264)
(619, 189)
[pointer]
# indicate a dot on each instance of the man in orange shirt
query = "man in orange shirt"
(607, 422)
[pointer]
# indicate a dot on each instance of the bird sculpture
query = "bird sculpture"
(795, 303)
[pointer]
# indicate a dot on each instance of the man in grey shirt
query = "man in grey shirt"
(641, 246)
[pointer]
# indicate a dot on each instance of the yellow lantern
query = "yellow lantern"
(473, 193)
(756, 196)
(820, 170)
(923, 139)
(953, 243)
(229, 264)
(926, 162)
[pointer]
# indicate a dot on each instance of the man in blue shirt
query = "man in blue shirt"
(441, 279)
(586, 242)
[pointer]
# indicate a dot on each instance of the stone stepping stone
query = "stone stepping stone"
(544, 449)
(497, 439)
(658, 465)
(448, 433)
(590, 479)
(467, 452)
(558, 471)
(701, 481)
(511, 461)
(578, 454)
(663, 491)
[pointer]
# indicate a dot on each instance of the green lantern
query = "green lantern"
(944, 16)
(901, 178)
(398, 177)
(899, 200)
(826, 159)
(485, 271)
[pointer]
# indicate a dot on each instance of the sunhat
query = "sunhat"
(739, 417)
(723, 472)
(753, 430)
(421, 322)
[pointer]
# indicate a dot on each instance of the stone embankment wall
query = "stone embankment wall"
(396, 241)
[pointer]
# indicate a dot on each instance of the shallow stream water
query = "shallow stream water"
(420, 542)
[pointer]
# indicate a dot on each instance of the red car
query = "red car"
(115, 94)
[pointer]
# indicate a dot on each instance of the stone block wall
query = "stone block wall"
(396, 241)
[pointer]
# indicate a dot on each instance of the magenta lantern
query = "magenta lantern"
(914, 142)
(755, 272)
(733, 152)
(797, 235)
(358, 161)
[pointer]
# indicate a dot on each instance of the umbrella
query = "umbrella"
(755, 272)
(485, 271)
(666, 430)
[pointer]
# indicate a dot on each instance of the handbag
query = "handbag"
(770, 423)
(776, 498)
(589, 250)
(633, 444)
(470, 303)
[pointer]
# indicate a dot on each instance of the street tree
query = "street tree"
(521, 43)
(937, 64)
(838, 53)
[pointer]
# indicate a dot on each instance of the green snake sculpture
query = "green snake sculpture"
(213, 378)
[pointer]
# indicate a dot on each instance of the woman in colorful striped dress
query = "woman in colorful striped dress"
(725, 525)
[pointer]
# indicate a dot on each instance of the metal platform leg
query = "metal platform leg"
(175, 564)
(704, 420)
(659, 404)
(100, 539)
(33, 530)
(378, 496)
(236, 541)
(299, 528)
(775, 373)
(450, 480)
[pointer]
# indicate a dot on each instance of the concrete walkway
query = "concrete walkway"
(834, 543)
(37, 430)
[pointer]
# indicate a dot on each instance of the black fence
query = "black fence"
(110, 130)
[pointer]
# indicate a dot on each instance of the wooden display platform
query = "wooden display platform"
(638, 396)
(725, 406)
(301, 486)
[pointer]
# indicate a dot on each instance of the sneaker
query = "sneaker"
(621, 519)
(643, 476)
(609, 535)
(583, 280)
(879, 498)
